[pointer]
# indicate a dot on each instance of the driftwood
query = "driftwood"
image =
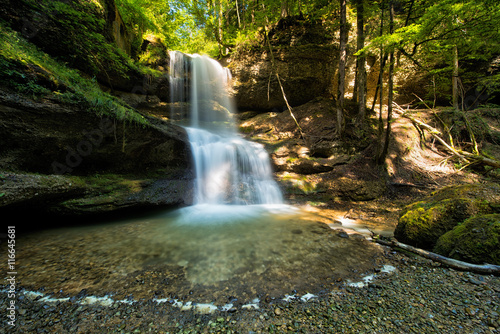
(452, 263)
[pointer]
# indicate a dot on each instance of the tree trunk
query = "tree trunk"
(361, 61)
(284, 8)
(390, 88)
(380, 132)
(238, 13)
(342, 66)
(452, 263)
(455, 77)
(220, 35)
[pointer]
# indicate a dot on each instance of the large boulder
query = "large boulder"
(422, 223)
(477, 240)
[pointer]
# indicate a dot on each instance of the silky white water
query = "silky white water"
(229, 169)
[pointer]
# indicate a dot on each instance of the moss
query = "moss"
(28, 70)
(422, 223)
(476, 240)
(299, 184)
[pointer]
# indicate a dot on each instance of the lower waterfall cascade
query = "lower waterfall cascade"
(229, 169)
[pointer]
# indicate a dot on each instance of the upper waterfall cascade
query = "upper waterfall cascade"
(229, 169)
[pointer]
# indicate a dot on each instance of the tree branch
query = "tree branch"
(452, 263)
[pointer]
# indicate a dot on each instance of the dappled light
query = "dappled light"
(242, 166)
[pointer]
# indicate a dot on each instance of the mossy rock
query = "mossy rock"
(422, 223)
(477, 240)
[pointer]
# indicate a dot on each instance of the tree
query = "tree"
(360, 62)
(344, 28)
(390, 96)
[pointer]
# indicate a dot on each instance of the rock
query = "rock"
(68, 147)
(422, 223)
(307, 166)
(476, 240)
(304, 58)
(69, 31)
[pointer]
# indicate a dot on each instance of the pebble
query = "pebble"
(418, 297)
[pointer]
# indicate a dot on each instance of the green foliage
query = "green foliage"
(26, 69)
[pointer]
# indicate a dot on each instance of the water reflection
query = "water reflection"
(207, 252)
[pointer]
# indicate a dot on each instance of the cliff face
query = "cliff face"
(68, 148)
(58, 159)
(302, 54)
(87, 35)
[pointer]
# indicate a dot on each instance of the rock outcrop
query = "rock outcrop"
(85, 163)
(86, 35)
(304, 57)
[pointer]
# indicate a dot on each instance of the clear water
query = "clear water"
(205, 253)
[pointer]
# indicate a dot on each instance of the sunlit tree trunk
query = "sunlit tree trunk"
(342, 66)
(284, 8)
(238, 13)
(360, 62)
(390, 88)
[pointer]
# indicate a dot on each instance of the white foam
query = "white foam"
(388, 268)
(250, 306)
(33, 294)
(206, 308)
(48, 299)
(161, 300)
(253, 305)
(367, 279)
(227, 307)
(103, 301)
(307, 297)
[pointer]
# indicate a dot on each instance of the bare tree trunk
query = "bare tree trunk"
(284, 8)
(342, 66)
(452, 263)
(238, 13)
(361, 61)
(390, 88)
(380, 132)
(455, 77)
(220, 35)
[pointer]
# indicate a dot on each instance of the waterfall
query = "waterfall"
(229, 169)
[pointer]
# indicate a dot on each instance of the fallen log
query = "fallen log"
(452, 263)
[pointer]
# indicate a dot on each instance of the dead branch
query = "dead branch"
(433, 132)
(466, 157)
(451, 263)
(281, 86)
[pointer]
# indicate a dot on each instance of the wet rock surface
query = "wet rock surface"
(62, 159)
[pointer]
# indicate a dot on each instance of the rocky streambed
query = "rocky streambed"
(419, 296)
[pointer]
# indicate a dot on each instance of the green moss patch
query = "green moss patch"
(422, 223)
(476, 240)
